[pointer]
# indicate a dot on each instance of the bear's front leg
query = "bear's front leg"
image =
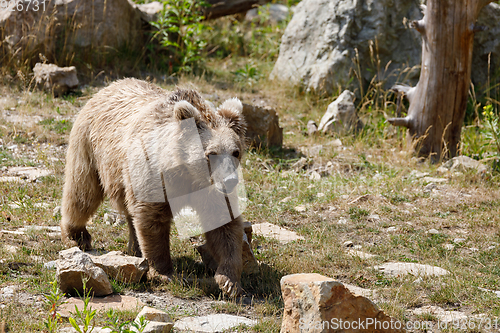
(225, 245)
(152, 227)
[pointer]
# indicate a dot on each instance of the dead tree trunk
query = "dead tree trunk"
(438, 102)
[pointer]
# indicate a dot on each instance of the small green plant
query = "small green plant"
(53, 300)
(492, 130)
(86, 316)
(248, 74)
(113, 323)
(179, 27)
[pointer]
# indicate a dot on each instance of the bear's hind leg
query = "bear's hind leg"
(82, 196)
(133, 244)
(225, 244)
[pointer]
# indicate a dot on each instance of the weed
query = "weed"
(86, 315)
(53, 300)
(179, 27)
(116, 326)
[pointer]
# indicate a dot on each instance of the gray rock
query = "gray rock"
(149, 11)
(212, 323)
(318, 46)
(341, 117)
(276, 13)
(55, 79)
(122, 267)
(403, 268)
(262, 126)
(50, 265)
(464, 164)
(73, 265)
(80, 25)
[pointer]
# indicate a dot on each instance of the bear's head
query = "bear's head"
(222, 135)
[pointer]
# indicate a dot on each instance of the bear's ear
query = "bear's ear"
(184, 110)
(232, 110)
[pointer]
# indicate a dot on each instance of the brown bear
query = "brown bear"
(153, 152)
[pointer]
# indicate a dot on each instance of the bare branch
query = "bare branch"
(219, 8)
(403, 122)
(419, 26)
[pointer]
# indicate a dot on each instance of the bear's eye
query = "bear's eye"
(236, 154)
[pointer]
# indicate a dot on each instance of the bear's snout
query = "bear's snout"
(230, 182)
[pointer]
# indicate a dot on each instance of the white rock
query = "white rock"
(341, 117)
(359, 254)
(442, 314)
(496, 292)
(373, 218)
(433, 180)
(300, 209)
(320, 195)
(269, 230)
(212, 323)
(449, 247)
(403, 268)
(459, 240)
(433, 232)
(391, 229)
(342, 220)
(315, 176)
(348, 244)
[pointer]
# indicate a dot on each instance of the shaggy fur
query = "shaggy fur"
(98, 160)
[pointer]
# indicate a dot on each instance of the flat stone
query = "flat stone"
(418, 174)
(373, 218)
(391, 229)
(360, 254)
(434, 180)
(433, 232)
(464, 164)
(282, 235)
(313, 298)
(300, 209)
(102, 304)
(122, 267)
(441, 314)
(212, 323)
(29, 173)
(404, 268)
(496, 292)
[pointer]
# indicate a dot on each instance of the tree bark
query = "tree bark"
(438, 101)
(219, 8)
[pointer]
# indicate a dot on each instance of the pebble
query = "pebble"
(300, 209)
(449, 247)
(433, 232)
(391, 229)
(459, 240)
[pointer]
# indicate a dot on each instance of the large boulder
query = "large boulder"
(325, 39)
(60, 27)
(315, 303)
